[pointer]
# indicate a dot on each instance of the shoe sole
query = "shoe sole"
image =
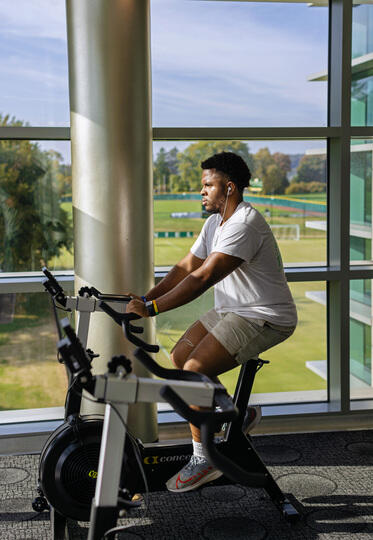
(208, 478)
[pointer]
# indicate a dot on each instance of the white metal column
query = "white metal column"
(109, 81)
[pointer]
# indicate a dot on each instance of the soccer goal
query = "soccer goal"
(286, 232)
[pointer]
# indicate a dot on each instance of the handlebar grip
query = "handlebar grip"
(111, 312)
(119, 318)
(136, 329)
(53, 287)
(180, 406)
(137, 341)
(48, 274)
(79, 351)
(230, 469)
(165, 373)
(123, 319)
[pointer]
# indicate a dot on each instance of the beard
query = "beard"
(212, 210)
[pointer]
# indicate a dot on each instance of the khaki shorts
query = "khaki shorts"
(244, 338)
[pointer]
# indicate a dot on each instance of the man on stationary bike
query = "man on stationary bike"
(254, 310)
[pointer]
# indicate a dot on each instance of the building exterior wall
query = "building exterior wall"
(361, 190)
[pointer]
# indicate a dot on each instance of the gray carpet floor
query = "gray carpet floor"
(330, 474)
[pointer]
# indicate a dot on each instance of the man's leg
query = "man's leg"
(184, 351)
(210, 358)
(187, 343)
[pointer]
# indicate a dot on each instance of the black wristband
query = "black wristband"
(150, 307)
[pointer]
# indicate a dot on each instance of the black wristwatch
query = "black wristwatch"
(150, 307)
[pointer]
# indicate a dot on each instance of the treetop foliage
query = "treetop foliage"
(33, 226)
(180, 171)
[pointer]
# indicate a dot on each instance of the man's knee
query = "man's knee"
(177, 358)
(192, 364)
(181, 351)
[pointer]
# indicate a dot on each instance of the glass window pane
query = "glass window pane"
(288, 187)
(362, 65)
(35, 206)
(239, 63)
(361, 201)
(30, 375)
(298, 367)
(361, 382)
(33, 54)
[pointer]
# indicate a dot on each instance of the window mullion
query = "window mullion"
(339, 113)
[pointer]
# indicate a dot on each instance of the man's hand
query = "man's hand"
(137, 306)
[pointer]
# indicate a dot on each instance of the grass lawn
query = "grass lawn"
(34, 385)
(168, 251)
(30, 375)
(309, 196)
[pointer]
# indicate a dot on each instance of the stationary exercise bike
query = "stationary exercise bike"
(117, 473)
(68, 464)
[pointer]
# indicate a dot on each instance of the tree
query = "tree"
(296, 188)
(272, 170)
(160, 171)
(177, 184)
(282, 161)
(311, 169)
(262, 160)
(165, 165)
(33, 226)
(274, 180)
(172, 160)
(62, 173)
(190, 160)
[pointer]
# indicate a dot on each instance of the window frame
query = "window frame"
(338, 271)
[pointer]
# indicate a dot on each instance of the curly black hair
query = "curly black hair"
(231, 165)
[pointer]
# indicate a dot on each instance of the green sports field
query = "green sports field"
(28, 344)
(311, 248)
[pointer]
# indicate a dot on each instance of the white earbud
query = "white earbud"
(229, 189)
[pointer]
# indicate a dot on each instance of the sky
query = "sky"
(214, 63)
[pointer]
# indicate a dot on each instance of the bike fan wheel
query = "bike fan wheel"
(68, 467)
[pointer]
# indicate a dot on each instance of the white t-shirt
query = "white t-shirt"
(257, 288)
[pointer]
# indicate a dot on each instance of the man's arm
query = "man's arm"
(213, 269)
(180, 271)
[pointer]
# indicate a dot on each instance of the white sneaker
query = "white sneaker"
(196, 472)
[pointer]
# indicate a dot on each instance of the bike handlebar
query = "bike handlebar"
(53, 287)
(74, 355)
(123, 319)
(165, 373)
(230, 469)
(209, 422)
(197, 418)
